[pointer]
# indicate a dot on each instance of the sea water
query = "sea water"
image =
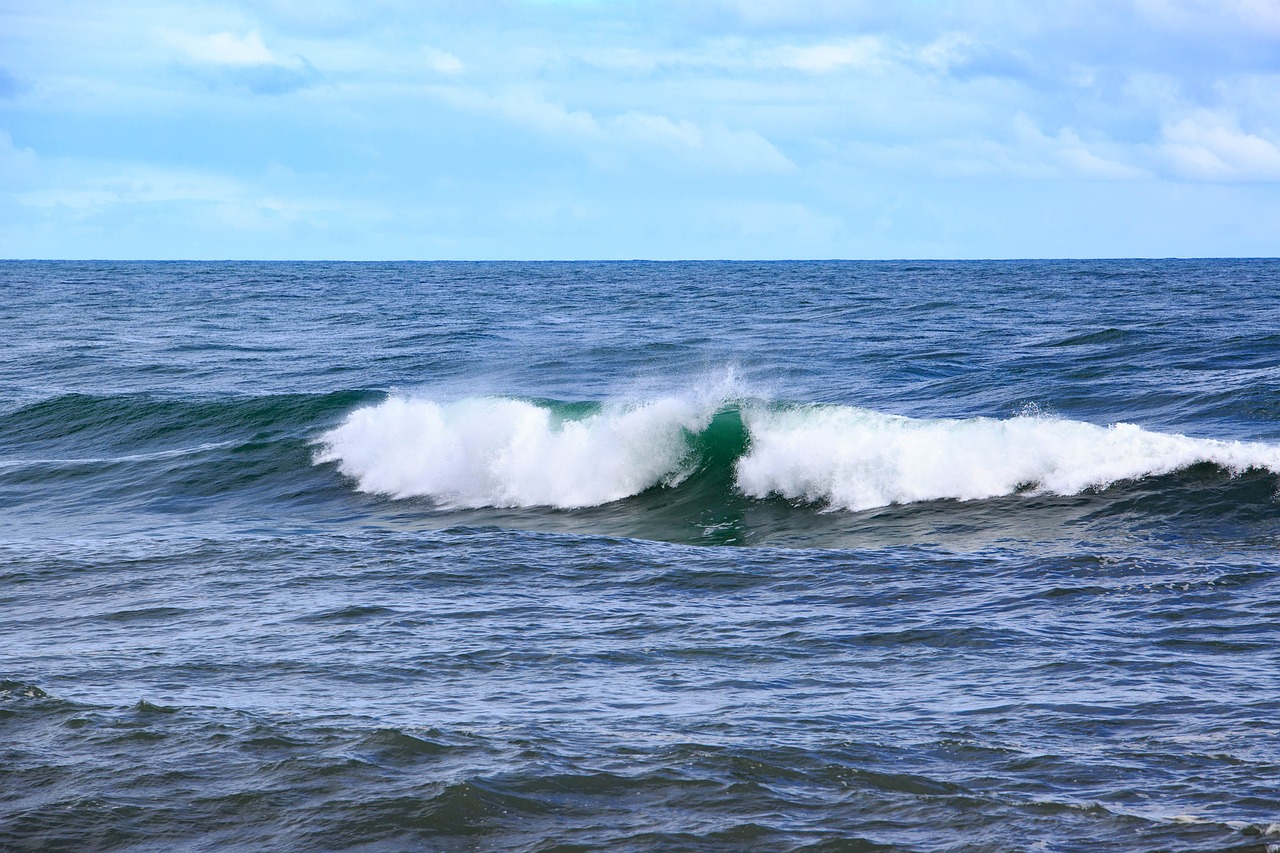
(635, 556)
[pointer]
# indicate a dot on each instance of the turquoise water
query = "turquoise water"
(779, 556)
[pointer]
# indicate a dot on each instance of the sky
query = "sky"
(583, 129)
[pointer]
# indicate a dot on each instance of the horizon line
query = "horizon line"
(639, 260)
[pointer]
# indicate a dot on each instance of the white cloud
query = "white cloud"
(228, 59)
(632, 135)
(134, 185)
(215, 198)
(1264, 14)
(1211, 146)
(225, 49)
(1088, 164)
(660, 131)
(525, 106)
(713, 147)
(768, 226)
(1201, 146)
(786, 13)
(947, 50)
(864, 52)
(625, 58)
(1020, 150)
(1193, 15)
(441, 61)
(744, 56)
(17, 165)
(1066, 152)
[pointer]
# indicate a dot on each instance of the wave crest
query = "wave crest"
(496, 451)
(851, 458)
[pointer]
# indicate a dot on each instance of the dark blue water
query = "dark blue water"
(577, 556)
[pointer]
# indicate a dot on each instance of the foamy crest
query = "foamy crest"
(856, 459)
(496, 451)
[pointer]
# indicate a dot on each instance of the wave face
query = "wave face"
(506, 452)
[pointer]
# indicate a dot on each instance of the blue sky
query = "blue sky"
(665, 129)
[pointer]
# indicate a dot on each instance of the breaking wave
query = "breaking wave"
(858, 459)
(508, 452)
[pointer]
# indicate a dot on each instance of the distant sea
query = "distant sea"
(825, 556)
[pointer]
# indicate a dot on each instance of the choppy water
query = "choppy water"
(723, 556)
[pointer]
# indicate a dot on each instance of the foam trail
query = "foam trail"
(7, 464)
(851, 458)
(494, 451)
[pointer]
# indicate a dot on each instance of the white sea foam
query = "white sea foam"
(852, 458)
(494, 451)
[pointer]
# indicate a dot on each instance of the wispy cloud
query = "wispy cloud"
(10, 86)
(245, 61)
(17, 165)
(824, 58)
(134, 185)
(711, 147)
(1211, 146)
(104, 192)
(441, 61)
(225, 49)
(1193, 15)
(657, 140)
(1066, 153)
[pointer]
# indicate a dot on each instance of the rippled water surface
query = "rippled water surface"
(709, 556)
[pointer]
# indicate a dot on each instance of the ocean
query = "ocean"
(822, 556)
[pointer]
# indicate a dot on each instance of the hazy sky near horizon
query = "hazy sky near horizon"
(379, 129)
